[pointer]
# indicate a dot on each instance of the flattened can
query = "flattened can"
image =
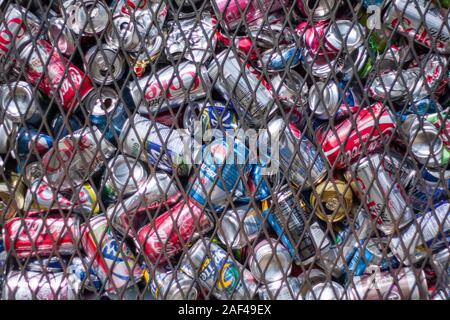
(217, 272)
(386, 204)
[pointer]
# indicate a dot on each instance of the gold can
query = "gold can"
(10, 206)
(332, 199)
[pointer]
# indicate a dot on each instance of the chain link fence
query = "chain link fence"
(224, 149)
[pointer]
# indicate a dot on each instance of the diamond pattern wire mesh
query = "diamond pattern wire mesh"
(98, 99)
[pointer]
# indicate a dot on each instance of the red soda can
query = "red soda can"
(38, 236)
(354, 139)
(42, 60)
(169, 233)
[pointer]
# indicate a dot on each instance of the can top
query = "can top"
(102, 102)
(18, 101)
(123, 33)
(324, 98)
(91, 17)
(128, 173)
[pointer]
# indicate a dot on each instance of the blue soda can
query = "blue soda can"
(106, 112)
(60, 129)
(29, 140)
(219, 174)
(275, 60)
(421, 107)
(212, 116)
(88, 278)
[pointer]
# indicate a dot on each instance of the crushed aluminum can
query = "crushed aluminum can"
(191, 39)
(239, 227)
(19, 103)
(157, 144)
(432, 31)
(128, 216)
(104, 65)
(251, 95)
(233, 14)
(403, 285)
(32, 285)
(318, 10)
(87, 278)
(45, 68)
(229, 159)
(36, 236)
(352, 139)
(123, 177)
(61, 36)
(284, 289)
(217, 272)
(296, 155)
(281, 58)
(386, 204)
(112, 261)
(270, 261)
(291, 90)
(123, 33)
(170, 87)
(31, 141)
(327, 291)
(90, 17)
(406, 246)
(85, 149)
(12, 197)
(332, 200)
(173, 285)
(157, 240)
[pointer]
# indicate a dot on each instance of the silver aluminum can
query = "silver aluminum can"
(31, 285)
(309, 279)
(344, 35)
(75, 158)
(401, 168)
(217, 272)
(386, 286)
(424, 138)
(383, 197)
(124, 177)
(252, 96)
(239, 227)
(157, 144)
(20, 102)
(61, 36)
(327, 291)
(170, 87)
(270, 261)
(191, 39)
(158, 191)
(285, 289)
(318, 10)
(421, 21)
(296, 153)
(324, 99)
(91, 17)
(291, 90)
(104, 64)
(172, 285)
(123, 33)
(7, 134)
(441, 264)
(407, 246)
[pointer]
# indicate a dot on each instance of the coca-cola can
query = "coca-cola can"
(159, 241)
(354, 140)
(34, 235)
(46, 69)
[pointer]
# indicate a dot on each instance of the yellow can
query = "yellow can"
(332, 199)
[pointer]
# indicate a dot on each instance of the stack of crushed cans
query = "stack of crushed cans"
(224, 149)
